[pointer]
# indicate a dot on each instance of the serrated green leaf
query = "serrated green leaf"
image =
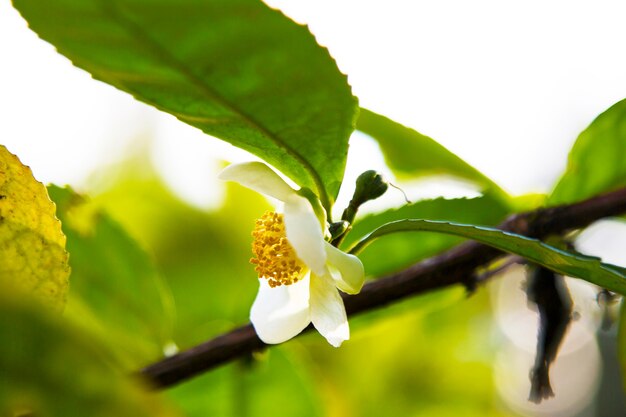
(597, 162)
(394, 252)
(411, 154)
(115, 286)
(50, 369)
(588, 268)
(32, 246)
(235, 69)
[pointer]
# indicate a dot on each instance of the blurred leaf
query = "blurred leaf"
(235, 69)
(276, 384)
(114, 282)
(621, 342)
(210, 394)
(596, 163)
(416, 357)
(203, 255)
(396, 251)
(57, 371)
(409, 153)
(590, 269)
(281, 371)
(32, 246)
(527, 202)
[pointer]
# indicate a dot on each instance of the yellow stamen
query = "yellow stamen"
(274, 257)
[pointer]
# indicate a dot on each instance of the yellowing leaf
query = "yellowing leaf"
(32, 247)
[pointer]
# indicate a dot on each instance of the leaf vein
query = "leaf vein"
(110, 8)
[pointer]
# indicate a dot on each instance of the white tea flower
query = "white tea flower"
(299, 271)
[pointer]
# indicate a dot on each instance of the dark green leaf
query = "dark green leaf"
(597, 161)
(588, 268)
(115, 285)
(235, 69)
(409, 153)
(52, 370)
(399, 250)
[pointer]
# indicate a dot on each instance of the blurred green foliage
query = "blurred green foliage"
(418, 358)
(426, 356)
(409, 359)
(597, 161)
(53, 369)
(275, 383)
(621, 341)
(203, 256)
(116, 288)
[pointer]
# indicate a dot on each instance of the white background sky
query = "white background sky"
(505, 85)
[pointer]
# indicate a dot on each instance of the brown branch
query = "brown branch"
(455, 266)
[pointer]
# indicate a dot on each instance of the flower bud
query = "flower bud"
(369, 186)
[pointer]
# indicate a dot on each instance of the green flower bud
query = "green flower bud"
(369, 186)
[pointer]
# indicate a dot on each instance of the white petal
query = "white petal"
(351, 274)
(305, 233)
(328, 313)
(258, 177)
(280, 313)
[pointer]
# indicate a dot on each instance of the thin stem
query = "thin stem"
(449, 268)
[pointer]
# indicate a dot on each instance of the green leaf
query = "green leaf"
(32, 246)
(396, 251)
(409, 153)
(115, 285)
(235, 69)
(53, 370)
(588, 268)
(596, 163)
